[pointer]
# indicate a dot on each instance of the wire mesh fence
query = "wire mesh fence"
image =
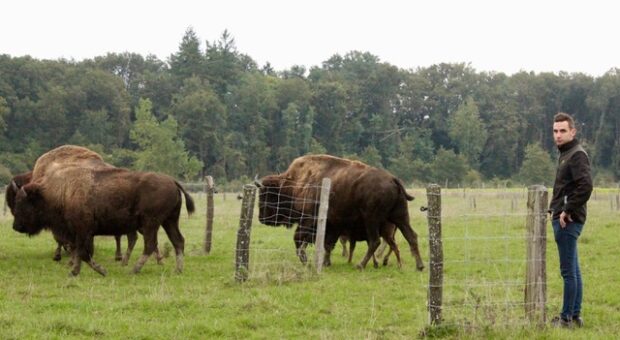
(484, 258)
(271, 251)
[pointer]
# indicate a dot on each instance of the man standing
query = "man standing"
(571, 191)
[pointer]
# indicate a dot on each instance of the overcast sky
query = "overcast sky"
(504, 36)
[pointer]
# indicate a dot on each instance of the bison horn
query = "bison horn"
(258, 183)
(14, 186)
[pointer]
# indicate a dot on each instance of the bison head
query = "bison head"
(275, 202)
(11, 190)
(29, 210)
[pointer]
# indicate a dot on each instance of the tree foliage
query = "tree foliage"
(537, 167)
(212, 105)
(159, 148)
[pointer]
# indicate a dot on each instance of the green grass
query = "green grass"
(283, 299)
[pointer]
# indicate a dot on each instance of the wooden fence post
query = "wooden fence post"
(209, 189)
(319, 255)
(242, 254)
(536, 272)
(435, 282)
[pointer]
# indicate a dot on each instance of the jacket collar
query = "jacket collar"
(568, 146)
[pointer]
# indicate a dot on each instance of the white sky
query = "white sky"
(505, 36)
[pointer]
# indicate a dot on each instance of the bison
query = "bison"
(22, 179)
(78, 203)
(363, 199)
(60, 157)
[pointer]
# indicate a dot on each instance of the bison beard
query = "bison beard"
(95, 199)
(363, 199)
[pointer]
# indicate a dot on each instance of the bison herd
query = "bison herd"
(73, 193)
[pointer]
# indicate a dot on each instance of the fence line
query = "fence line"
(484, 278)
(306, 209)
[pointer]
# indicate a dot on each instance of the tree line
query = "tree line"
(213, 110)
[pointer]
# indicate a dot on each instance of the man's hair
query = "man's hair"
(564, 117)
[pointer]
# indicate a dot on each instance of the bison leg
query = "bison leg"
(372, 235)
(327, 257)
(343, 241)
(300, 244)
(351, 249)
(159, 256)
(118, 256)
(171, 226)
(60, 244)
(393, 248)
(149, 233)
(85, 250)
(381, 248)
(58, 252)
(412, 239)
(131, 242)
(96, 267)
(301, 251)
(76, 264)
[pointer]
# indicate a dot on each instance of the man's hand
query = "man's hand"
(564, 219)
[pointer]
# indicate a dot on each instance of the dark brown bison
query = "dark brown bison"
(22, 179)
(61, 157)
(362, 199)
(78, 203)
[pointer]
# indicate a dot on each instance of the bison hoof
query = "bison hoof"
(376, 265)
(420, 268)
(359, 267)
(57, 257)
(118, 258)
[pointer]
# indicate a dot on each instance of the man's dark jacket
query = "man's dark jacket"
(573, 182)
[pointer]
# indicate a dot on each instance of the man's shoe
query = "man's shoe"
(560, 322)
(577, 321)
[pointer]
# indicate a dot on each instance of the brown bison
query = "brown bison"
(22, 179)
(51, 161)
(362, 200)
(78, 203)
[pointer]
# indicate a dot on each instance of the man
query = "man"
(571, 191)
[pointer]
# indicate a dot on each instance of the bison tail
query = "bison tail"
(189, 202)
(401, 187)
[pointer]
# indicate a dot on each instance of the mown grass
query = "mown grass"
(483, 249)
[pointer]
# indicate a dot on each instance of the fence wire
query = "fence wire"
(484, 258)
(280, 213)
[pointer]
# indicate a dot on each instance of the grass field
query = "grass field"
(484, 253)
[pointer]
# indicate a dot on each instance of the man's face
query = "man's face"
(562, 133)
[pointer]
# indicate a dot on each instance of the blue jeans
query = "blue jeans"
(566, 239)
